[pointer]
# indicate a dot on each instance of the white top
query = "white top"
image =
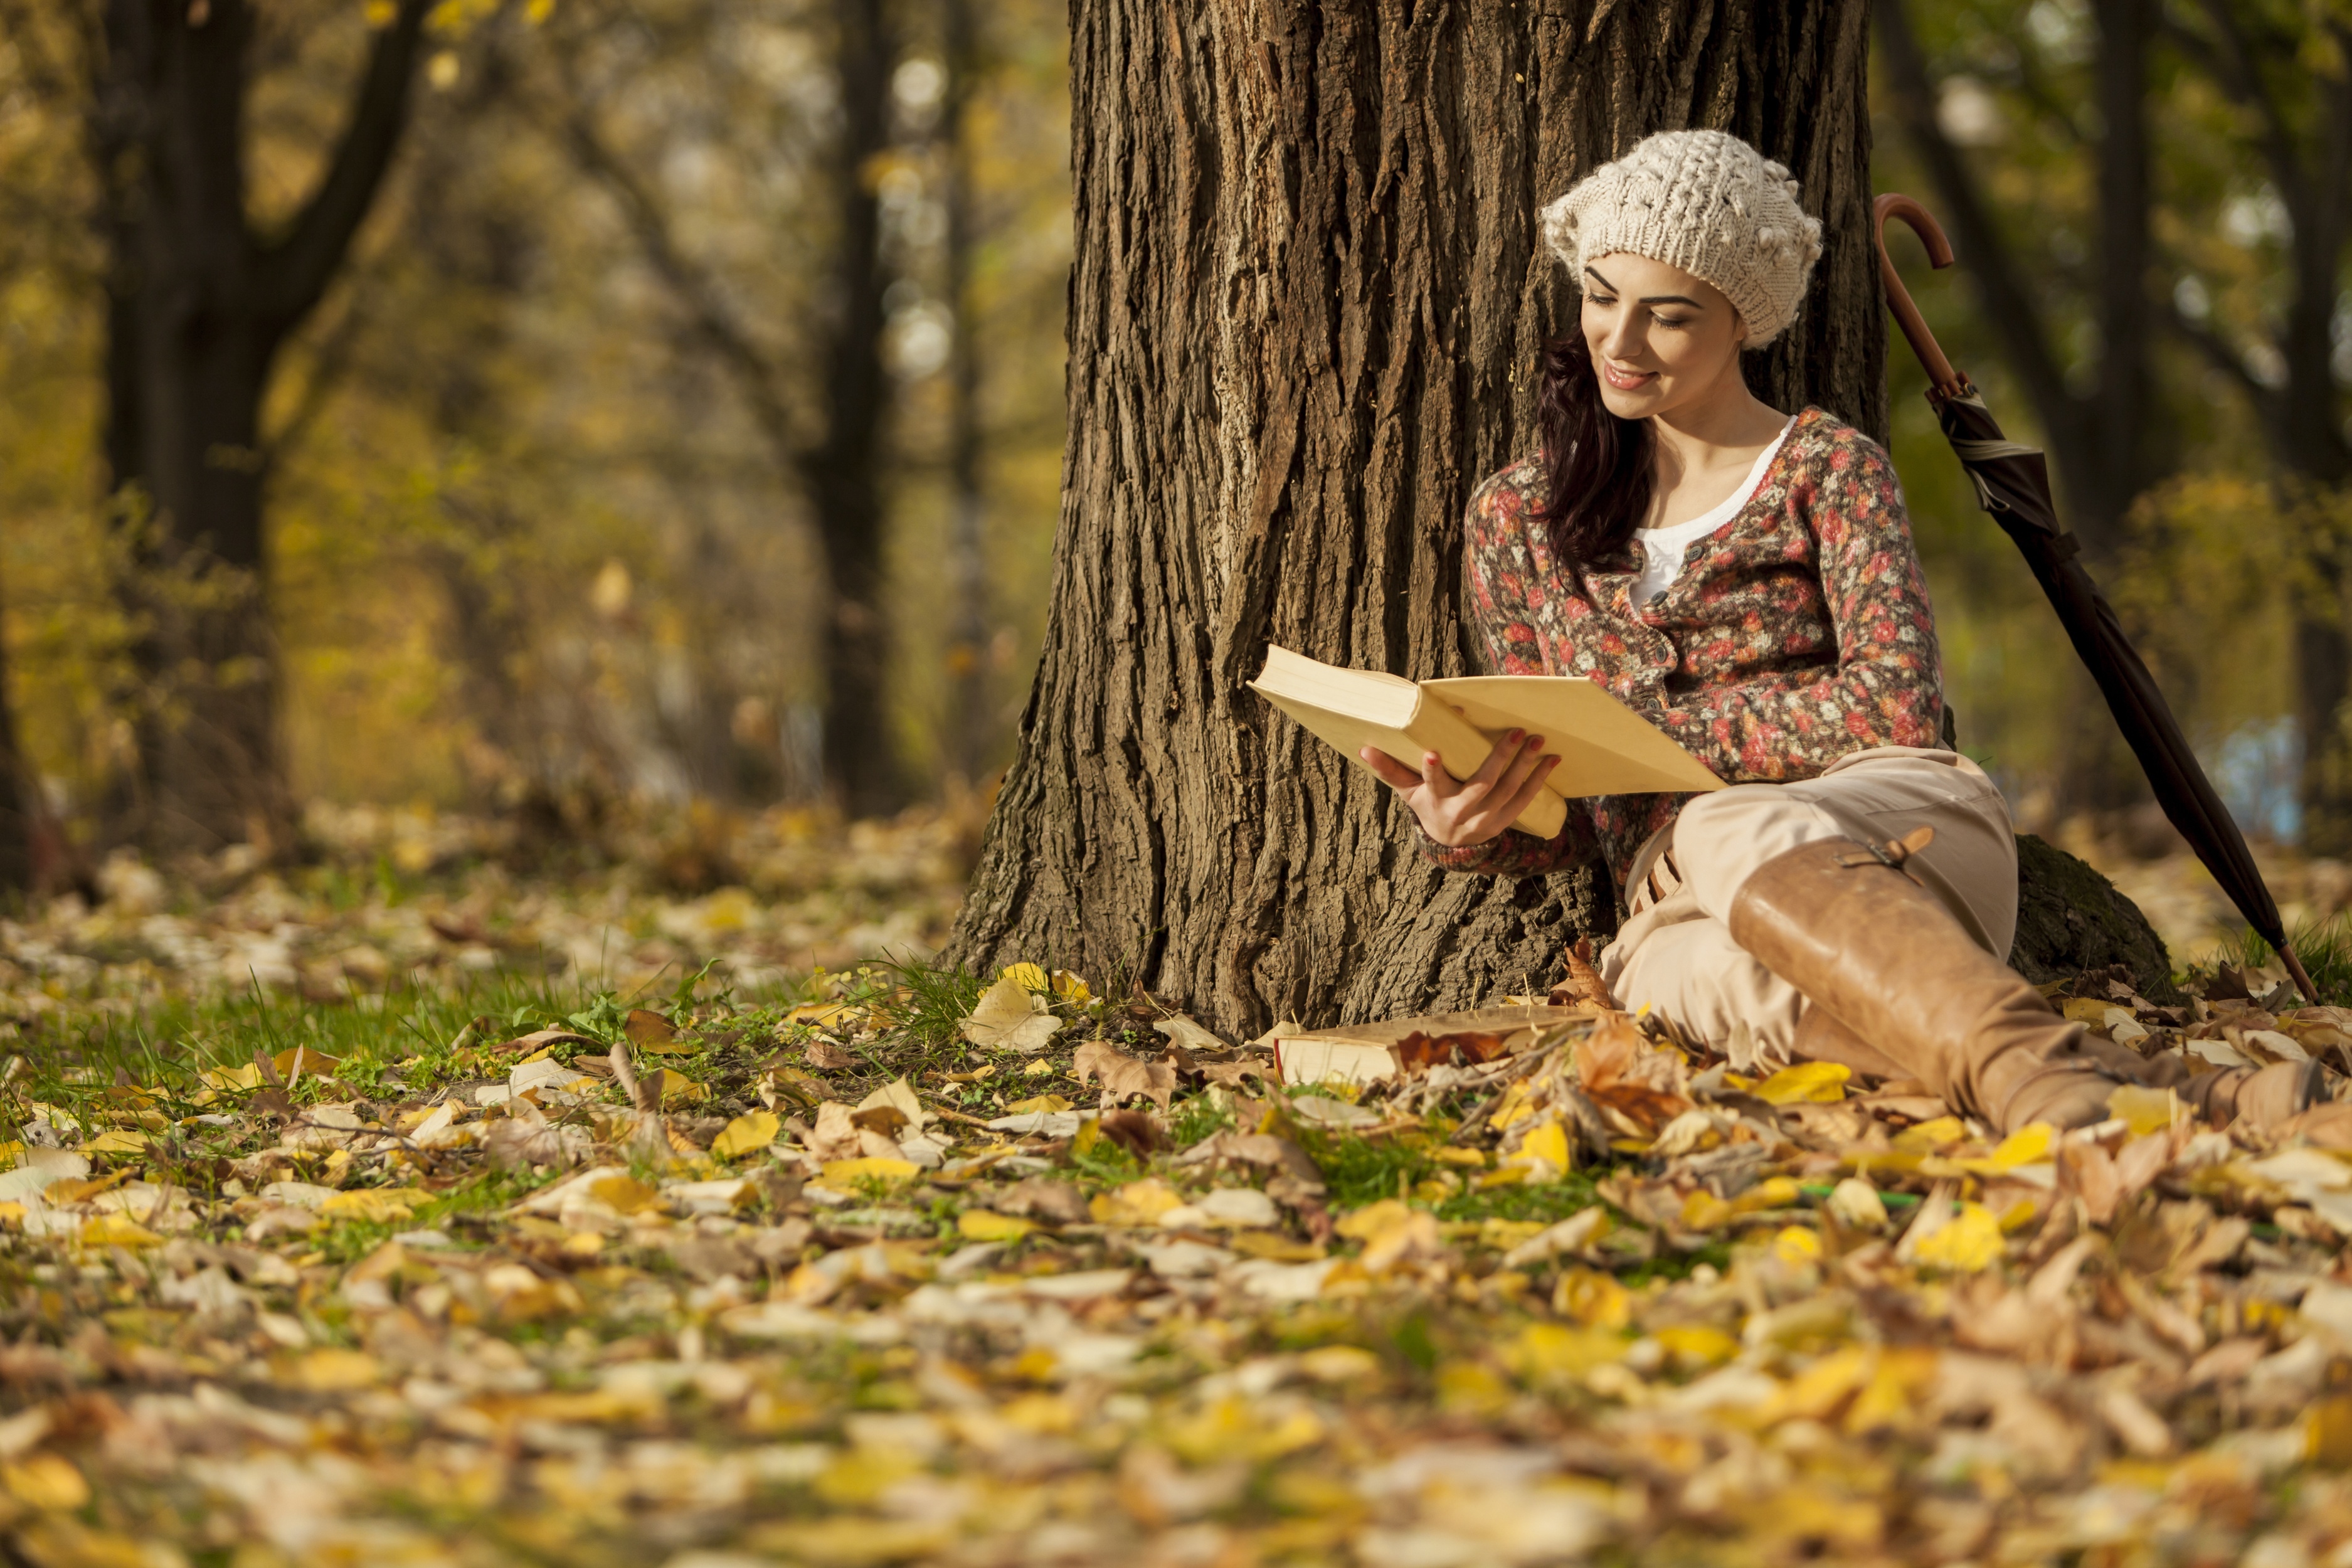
(1663, 548)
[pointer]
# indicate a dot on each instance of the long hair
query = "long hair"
(1599, 466)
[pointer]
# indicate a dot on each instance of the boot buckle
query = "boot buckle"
(1892, 853)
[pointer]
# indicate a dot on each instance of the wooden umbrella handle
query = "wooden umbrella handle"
(1944, 379)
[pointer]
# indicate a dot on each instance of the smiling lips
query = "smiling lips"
(1625, 380)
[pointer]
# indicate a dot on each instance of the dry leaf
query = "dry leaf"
(1122, 1076)
(746, 1134)
(1009, 1018)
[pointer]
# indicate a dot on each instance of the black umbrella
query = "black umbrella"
(2013, 484)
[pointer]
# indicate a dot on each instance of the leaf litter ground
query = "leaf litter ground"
(890, 1265)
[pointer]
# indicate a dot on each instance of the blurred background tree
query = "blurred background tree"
(672, 413)
(2149, 198)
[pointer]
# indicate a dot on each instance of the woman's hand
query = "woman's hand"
(1461, 811)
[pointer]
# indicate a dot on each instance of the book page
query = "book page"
(1434, 728)
(1604, 747)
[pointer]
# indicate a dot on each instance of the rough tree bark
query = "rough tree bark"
(198, 307)
(1307, 300)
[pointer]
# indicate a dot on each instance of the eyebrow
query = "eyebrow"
(1647, 299)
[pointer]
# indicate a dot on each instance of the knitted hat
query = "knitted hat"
(1708, 203)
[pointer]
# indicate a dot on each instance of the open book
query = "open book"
(1604, 746)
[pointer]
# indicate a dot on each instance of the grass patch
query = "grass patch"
(2325, 947)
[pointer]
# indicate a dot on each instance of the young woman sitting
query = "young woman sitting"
(1746, 578)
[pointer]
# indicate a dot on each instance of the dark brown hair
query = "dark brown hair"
(1599, 466)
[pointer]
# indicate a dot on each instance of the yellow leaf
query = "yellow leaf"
(649, 1031)
(1069, 987)
(1029, 975)
(984, 1224)
(1796, 1246)
(1036, 1102)
(1697, 1345)
(1551, 1350)
(117, 1229)
(246, 1076)
(121, 1140)
(1136, 1204)
(1814, 1393)
(622, 1194)
(310, 1058)
(1773, 1192)
(876, 1168)
(1593, 1298)
(2086, 1009)
(2143, 1110)
(1703, 1211)
(1969, 1243)
(1813, 1083)
(2022, 1147)
(1891, 1397)
(673, 1085)
(370, 1205)
(334, 1370)
(1940, 1133)
(745, 1135)
(48, 1482)
(1546, 1145)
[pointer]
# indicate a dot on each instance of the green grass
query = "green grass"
(2325, 947)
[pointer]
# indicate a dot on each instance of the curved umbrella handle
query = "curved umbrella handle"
(1946, 381)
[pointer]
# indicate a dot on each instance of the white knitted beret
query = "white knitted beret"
(1708, 203)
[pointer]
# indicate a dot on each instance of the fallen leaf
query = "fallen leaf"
(1122, 1076)
(981, 1225)
(1813, 1083)
(871, 1170)
(1969, 1242)
(649, 1031)
(746, 1134)
(1009, 1018)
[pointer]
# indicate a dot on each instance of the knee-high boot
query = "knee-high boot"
(1874, 950)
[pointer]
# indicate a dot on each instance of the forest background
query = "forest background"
(675, 438)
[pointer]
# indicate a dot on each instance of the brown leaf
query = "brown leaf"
(1231, 1074)
(2087, 1170)
(648, 1030)
(625, 1076)
(1418, 1052)
(826, 1056)
(1137, 1132)
(1583, 982)
(1122, 1076)
(884, 1119)
(1620, 1071)
(1041, 1197)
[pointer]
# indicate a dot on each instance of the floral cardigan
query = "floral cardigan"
(1795, 634)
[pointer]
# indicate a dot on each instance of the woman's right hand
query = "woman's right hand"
(1458, 812)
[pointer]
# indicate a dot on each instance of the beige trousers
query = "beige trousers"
(1675, 953)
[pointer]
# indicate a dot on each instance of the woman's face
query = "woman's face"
(1661, 338)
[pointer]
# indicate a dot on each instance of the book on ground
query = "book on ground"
(1374, 1053)
(1604, 746)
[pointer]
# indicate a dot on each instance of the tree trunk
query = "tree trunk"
(860, 759)
(1307, 300)
(198, 307)
(968, 728)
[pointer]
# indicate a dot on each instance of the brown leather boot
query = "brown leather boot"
(1822, 1039)
(1874, 950)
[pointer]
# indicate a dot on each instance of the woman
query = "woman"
(1745, 578)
